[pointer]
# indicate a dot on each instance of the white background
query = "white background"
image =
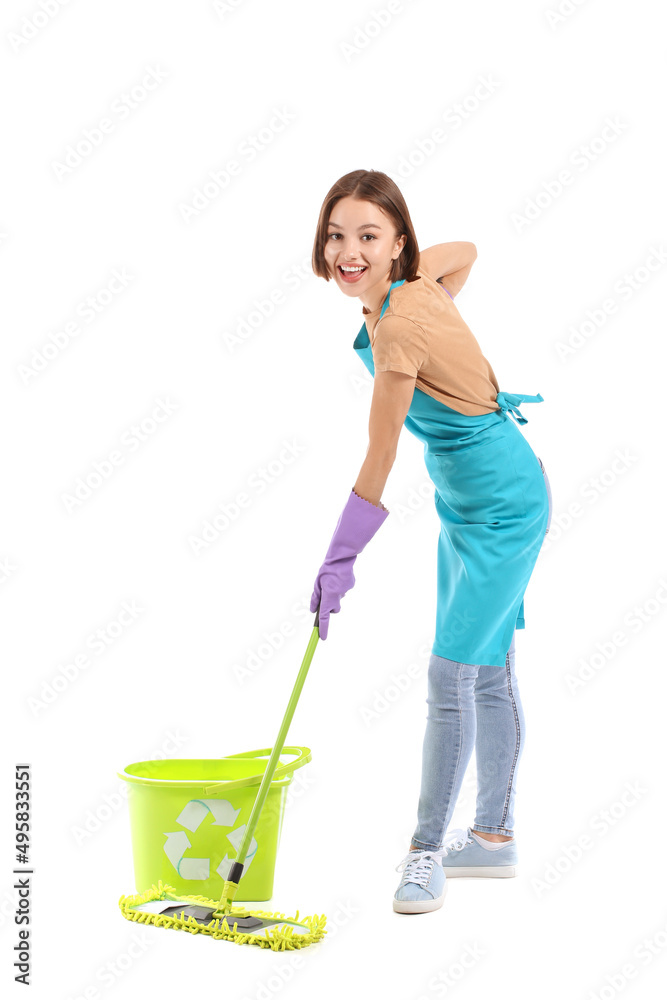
(357, 96)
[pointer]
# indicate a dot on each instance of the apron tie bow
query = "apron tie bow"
(509, 404)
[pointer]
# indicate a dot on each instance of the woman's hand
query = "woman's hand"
(356, 526)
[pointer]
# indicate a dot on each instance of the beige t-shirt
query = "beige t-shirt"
(422, 333)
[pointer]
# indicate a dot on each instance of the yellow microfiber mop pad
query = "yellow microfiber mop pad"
(163, 907)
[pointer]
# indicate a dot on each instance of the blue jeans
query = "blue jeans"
(471, 706)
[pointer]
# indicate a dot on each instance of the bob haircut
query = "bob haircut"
(380, 189)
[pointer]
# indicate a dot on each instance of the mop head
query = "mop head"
(163, 907)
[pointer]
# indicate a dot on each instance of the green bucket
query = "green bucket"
(188, 818)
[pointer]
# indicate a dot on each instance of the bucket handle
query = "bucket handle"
(303, 755)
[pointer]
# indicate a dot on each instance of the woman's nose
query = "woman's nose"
(351, 250)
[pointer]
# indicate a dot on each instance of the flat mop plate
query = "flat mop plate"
(163, 907)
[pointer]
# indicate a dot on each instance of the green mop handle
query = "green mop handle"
(236, 869)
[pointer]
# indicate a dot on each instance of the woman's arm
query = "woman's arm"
(392, 395)
(451, 261)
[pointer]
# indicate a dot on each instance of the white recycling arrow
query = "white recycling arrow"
(194, 868)
(176, 845)
(192, 815)
(235, 838)
(195, 811)
(223, 812)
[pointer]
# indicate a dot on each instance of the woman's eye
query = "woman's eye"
(331, 235)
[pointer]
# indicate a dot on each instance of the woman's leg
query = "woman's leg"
(500, 735)
(498, 746)
(448, 744)
(471, 706)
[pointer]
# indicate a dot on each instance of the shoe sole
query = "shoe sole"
(481, 871)
(419, 905)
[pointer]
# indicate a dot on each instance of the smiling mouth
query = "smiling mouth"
(351, 275)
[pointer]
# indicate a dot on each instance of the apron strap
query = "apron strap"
(509, 404)
(394, 284)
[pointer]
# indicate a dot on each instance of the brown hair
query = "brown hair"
(379, 188)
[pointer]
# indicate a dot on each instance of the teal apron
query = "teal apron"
(493, 506)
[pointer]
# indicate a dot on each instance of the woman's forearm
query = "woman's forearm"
(373, 477)
(459, 255)
(447, 258)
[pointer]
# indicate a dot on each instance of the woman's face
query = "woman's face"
(360, 235)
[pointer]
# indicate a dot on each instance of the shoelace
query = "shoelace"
(416, 865)
(456, 840)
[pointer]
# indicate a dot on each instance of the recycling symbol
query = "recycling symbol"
(191, 817)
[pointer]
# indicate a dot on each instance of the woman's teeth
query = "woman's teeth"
(351, 273)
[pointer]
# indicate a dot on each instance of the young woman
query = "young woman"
(493, 500)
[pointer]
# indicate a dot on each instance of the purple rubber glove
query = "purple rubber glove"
(356, 526)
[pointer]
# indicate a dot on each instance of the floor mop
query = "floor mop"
(163, 907)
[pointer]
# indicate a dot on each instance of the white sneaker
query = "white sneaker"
(424, 885)
(466, 858)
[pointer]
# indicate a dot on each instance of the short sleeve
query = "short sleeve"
(399, 345)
